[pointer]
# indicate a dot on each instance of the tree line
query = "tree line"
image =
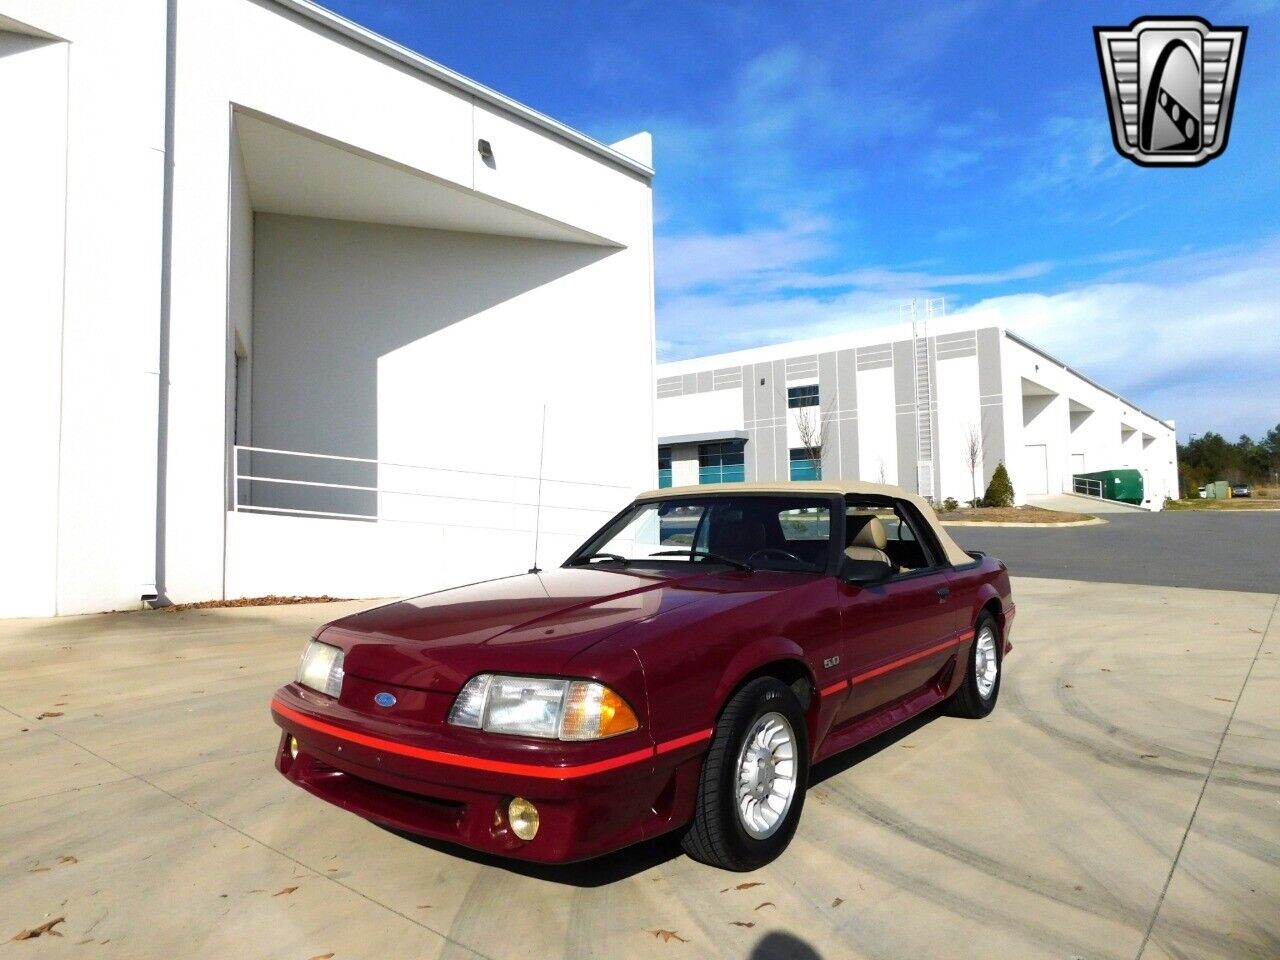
(1211, 456)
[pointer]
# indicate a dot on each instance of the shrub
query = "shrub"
(950, 505)
(999, 490)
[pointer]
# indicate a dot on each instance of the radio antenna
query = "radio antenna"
(537, 512)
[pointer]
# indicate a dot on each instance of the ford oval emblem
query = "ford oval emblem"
(384, 699)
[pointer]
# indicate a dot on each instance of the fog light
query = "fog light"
(293, 748)
(523, 817)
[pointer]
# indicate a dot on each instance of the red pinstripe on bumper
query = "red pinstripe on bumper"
(480, 763)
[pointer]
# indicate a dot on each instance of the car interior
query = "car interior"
(874, 532)
(752, 530)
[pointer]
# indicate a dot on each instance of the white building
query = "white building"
(896, 406)
(233, 226)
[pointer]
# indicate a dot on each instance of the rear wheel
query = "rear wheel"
(753, 779)
(981, 685)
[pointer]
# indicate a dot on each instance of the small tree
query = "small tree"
(811, 425)
(973, 456)
(1000, 489)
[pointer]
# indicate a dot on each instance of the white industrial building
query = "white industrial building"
(288, 308)
(900, 404)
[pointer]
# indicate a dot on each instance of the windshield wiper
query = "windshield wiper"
(706, 555)
(583, 561)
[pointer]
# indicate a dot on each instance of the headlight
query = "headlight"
(541, 707)
(321, 668)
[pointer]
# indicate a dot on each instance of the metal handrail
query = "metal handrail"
(1087, 487)
(378, 491)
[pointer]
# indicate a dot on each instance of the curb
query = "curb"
(1092, 522)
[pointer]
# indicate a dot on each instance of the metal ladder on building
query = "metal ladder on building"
(924, 403)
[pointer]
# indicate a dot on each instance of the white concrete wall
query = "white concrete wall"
(684, 465)
(877, 427)
(957, 394)
(106, 93)
(709, 412)
(33, 114)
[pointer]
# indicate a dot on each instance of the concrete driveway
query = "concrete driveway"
(1121, 802)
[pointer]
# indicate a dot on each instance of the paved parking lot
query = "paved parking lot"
(1219, 550)
(1120, 803)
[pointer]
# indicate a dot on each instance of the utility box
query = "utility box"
(1122, 485)
(1217, 490)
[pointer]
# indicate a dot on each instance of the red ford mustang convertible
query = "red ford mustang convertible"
(680, 671)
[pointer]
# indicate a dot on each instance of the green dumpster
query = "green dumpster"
(1122, 485)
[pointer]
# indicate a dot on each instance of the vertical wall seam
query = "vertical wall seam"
(62, 339)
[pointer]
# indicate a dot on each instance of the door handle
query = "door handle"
(943, 593)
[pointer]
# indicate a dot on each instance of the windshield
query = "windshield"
(764, 533)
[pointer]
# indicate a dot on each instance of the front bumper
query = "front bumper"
(591, 798)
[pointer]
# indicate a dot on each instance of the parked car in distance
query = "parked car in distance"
(1241, 490)
(681, 671)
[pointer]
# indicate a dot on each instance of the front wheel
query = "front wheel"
(981, 685)
(753, 779)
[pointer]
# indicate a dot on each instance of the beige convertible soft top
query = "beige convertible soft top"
(955, 555)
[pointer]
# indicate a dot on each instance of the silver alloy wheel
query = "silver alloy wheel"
(766, 775)
(986, 662)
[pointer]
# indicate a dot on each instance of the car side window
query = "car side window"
(915, 548)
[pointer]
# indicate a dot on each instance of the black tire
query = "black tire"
(968, 701)
(716, 836)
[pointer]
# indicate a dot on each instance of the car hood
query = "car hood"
(534, 623)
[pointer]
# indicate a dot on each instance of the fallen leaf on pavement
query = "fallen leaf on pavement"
(1224, 699)
(908, 746)
(742, 923)
(68, 859)
(666, 936)
(1150, 756)
(1105, 669)
(424, 906)
(41, 930)
(50, 713)
(38, 869)
(323, 956)
(837, 901)
(286, 890)
(767, 903)
(749, 884)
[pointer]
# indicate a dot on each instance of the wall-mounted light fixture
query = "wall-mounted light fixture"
(486, 151)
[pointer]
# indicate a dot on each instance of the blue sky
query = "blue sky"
(818, 164)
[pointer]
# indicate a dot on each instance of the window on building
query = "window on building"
(806, 464)
(806, 396)
(664, 467)
(721, 462)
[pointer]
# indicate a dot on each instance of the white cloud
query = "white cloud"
(701, 259)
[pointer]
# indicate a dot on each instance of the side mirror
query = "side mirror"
(853, 570)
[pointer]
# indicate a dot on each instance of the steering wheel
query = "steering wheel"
(778, 552)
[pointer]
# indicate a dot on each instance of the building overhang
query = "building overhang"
(710, 436)
(295, 171)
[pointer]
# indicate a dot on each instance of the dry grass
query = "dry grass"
(1012, 515)
(1235, 503)
(268, 601)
